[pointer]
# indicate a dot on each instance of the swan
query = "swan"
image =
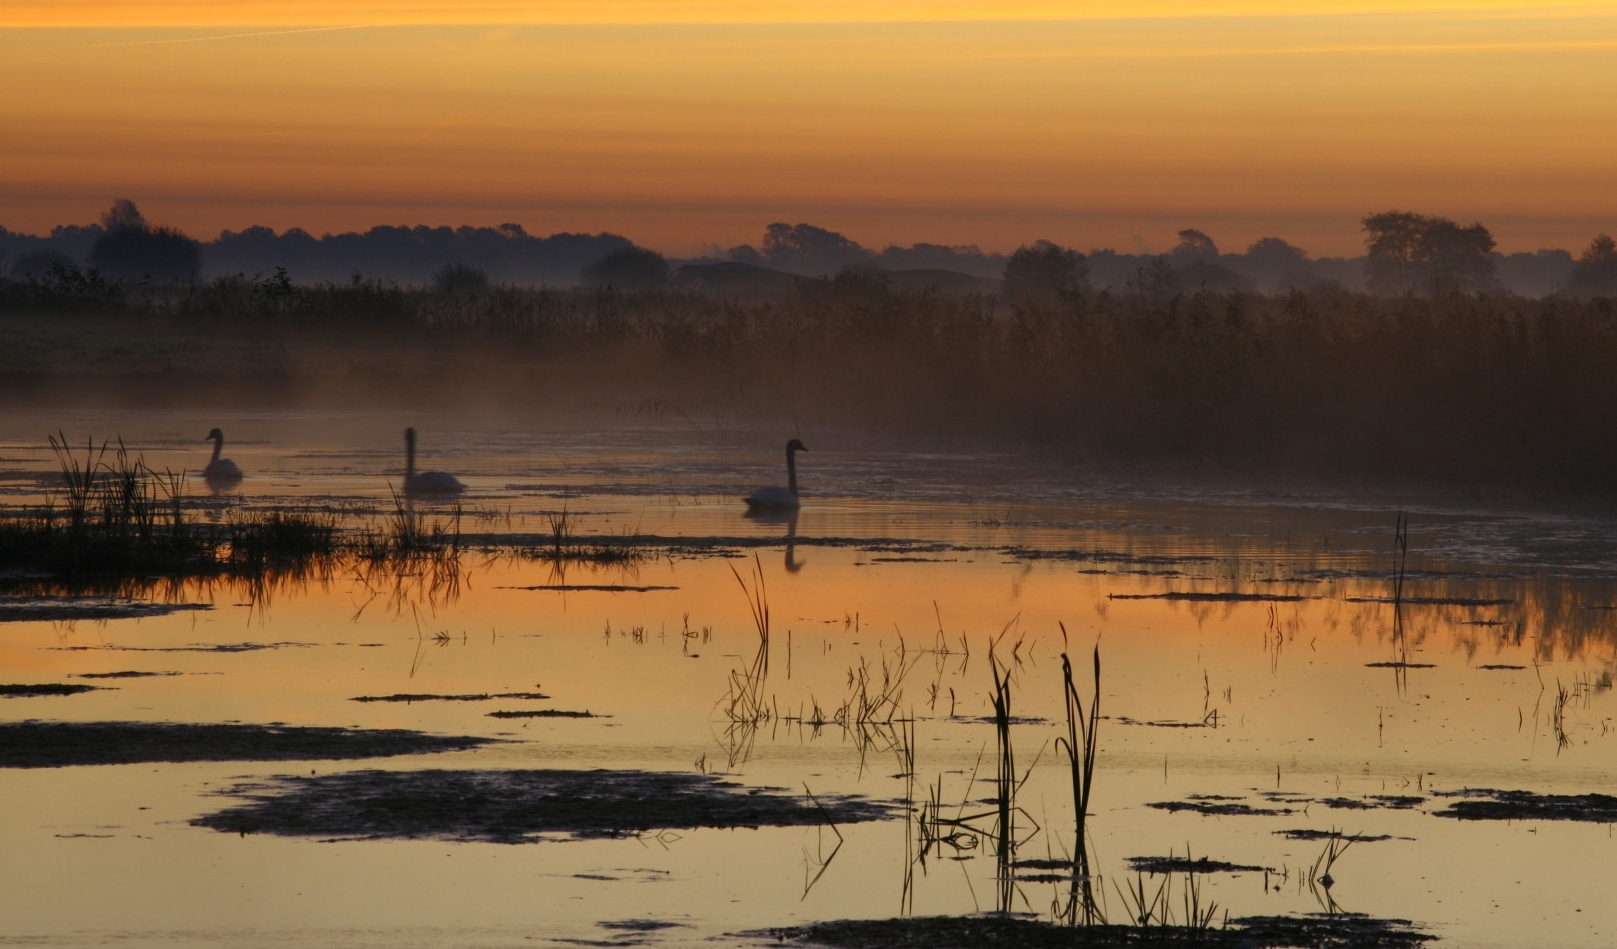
(425, 482)
(220, 469)
(777, 498)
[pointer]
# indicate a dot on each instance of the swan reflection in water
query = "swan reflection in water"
(787, 517)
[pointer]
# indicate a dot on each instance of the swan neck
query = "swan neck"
(791, 471)
(409, 460)
(218, 446)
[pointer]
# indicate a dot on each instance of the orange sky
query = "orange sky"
(687, 124)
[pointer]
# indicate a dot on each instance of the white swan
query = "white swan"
(425, 482)
(777, 498)
(220, 469)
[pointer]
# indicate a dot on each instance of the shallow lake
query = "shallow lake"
(1268, 693)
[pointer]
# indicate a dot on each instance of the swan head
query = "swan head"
(795, 445)
(214, 434)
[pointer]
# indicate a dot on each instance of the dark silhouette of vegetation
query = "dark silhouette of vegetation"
(1595, 274)
(631, 268)
(1413, 253)
(803, 249)
(1045, 273)
(460, 280)
(1464, 389)
(132, 250)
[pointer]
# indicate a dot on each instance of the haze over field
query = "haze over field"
(686, 125)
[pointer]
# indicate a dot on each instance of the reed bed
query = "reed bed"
(1475, 391)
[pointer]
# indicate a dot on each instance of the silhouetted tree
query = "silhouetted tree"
(1194, 245)
(1595, 274)
(1275, 264)
(631, 268)
(802, 248)
(131, 249)
(456, 280)
(1043, 273)
(1412, 252)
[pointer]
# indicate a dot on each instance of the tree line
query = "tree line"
(1405, 253)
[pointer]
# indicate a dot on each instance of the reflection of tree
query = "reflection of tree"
(1410, 253)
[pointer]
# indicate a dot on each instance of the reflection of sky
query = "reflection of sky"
(1113, 132)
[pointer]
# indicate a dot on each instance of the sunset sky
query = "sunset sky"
(688, 125)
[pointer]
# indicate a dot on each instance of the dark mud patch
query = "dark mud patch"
(43, 688)
(1166, 865)
(517, 806)
(1192, 597)
(914, 560)
(591, 588)
(1304, 834)
(1337, 931)
(69, 608)
(1107, 556)
(1221, 807)
(638, 925)
(1484, 804)
(194, 647)
(1164, 723)
(1430, 600)
(57, 744)
(1399, 665)
(408, 697)
(545, 713)
(1393, 802)
(126, 675)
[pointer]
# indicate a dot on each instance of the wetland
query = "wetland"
(958, 699)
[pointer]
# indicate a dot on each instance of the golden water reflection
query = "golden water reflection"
(1251, 654)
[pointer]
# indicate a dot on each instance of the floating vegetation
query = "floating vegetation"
(1484, 804)
(426, 697)
(1396, 802)
(1399, 665)
(517, 806)
(593, 588)
(1189, 596)
(194, 647)
(1221, 808)
(45, 688)
(1323, 931)
(1172, 864)
(544, 713)
(64, 609)
(1430, 600)
(56, 744)
(126, 675)
(1332, 835)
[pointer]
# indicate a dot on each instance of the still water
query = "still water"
(1319, 707)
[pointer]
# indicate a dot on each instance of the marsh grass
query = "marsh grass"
(1476, 391)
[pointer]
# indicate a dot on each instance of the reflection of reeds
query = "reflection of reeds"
(745, 705)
